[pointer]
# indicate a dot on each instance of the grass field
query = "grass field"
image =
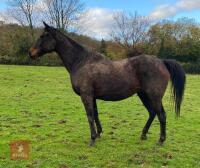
(38, 104)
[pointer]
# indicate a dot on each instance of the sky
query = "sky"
(165, 8)
(98, 21)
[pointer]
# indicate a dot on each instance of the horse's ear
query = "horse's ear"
(47, 27)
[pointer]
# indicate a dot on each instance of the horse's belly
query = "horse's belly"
(113, 97)
(114, 94)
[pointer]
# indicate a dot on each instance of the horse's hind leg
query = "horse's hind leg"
(158, 108)
(147, 103)
(97, 121)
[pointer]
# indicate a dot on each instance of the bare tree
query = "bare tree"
(130, 30)
(22, 11)
(64, 13)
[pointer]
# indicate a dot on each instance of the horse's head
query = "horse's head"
(45, 44)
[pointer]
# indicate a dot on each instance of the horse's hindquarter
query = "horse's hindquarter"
(152, 74)
(109, 80)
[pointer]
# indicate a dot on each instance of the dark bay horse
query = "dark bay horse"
(96, 77)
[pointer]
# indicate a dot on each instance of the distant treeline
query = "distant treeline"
(178, 40)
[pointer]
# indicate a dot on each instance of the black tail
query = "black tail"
(177, 75)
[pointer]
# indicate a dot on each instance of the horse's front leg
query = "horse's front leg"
(89, 108)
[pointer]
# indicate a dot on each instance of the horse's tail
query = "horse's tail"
(177, 75)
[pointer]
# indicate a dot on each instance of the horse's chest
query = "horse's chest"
(75, 85)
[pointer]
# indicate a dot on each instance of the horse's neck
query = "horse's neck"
(71, 54)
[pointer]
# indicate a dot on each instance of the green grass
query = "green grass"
(38, 104)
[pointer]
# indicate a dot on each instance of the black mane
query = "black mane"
(62, 36)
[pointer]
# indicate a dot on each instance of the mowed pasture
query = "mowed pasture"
(39, 105)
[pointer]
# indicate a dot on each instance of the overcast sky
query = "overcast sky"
(99, 17)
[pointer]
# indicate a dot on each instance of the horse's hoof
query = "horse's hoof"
(143, 137)
(92, 142)
(160, 142)
(98, 135)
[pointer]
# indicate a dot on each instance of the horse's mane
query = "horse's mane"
(63, 36)
(81, 48)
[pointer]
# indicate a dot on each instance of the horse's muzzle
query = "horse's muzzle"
(33, 53)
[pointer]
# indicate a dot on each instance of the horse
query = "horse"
(93, 76)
